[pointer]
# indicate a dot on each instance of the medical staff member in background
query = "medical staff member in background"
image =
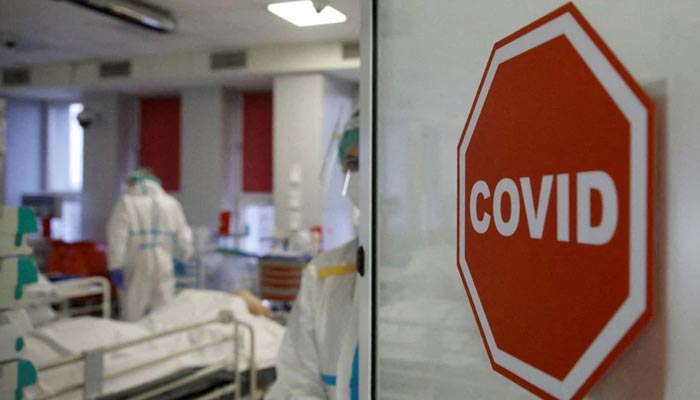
(318, 358)
(146, 232)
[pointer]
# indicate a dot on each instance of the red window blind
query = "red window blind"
(160, 139)
(257, 142)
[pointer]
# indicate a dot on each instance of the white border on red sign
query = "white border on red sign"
(636, 114)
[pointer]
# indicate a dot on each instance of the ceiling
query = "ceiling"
(49, 31)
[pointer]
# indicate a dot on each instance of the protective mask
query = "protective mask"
(351, 188)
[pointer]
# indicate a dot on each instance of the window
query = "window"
(64, 167)
(64, 147)
(76, 147)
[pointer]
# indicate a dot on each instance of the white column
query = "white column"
(203, 154)
(106, 159)
(307, 110)
(297, 126)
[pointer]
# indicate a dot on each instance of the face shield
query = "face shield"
(351, 188)
(348, 157)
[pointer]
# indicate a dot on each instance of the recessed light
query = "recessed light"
(303, 13)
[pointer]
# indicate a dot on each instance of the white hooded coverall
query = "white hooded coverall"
(318, 358)
(146, 230)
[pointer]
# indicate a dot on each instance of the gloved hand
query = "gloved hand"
(180, 267)
(117, 276)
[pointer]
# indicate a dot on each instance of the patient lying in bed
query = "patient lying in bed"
(72, 336)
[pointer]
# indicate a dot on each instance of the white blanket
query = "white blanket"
(73, 336)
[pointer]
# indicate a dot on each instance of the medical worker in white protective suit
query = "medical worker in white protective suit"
(318, 358)
(146, 232)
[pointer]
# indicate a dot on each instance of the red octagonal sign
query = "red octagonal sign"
(555, 190)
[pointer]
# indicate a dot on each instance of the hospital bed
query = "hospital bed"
(40, 297)
(204, 345)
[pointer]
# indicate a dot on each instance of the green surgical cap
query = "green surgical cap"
(142, 174)
(351, 136)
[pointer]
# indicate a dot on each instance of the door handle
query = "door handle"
(360, 261)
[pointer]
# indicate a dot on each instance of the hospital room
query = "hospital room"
(324, 199)
(182, 292)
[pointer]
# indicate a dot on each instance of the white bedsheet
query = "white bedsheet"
(73, 336)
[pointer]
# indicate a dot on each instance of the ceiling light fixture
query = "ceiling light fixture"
(307, 13)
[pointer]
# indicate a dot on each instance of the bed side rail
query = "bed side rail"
(77, 288)
(93, 367)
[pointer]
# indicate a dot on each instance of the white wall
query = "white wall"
(203, 154)
(108, 143)
(130, 131)
(24, 149)
(431, 59)
(173, 71)
(306, 108)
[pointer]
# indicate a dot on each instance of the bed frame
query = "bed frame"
(212, 382)
(74, 289)
(93, 371)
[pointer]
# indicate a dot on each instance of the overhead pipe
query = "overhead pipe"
(134, 12)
